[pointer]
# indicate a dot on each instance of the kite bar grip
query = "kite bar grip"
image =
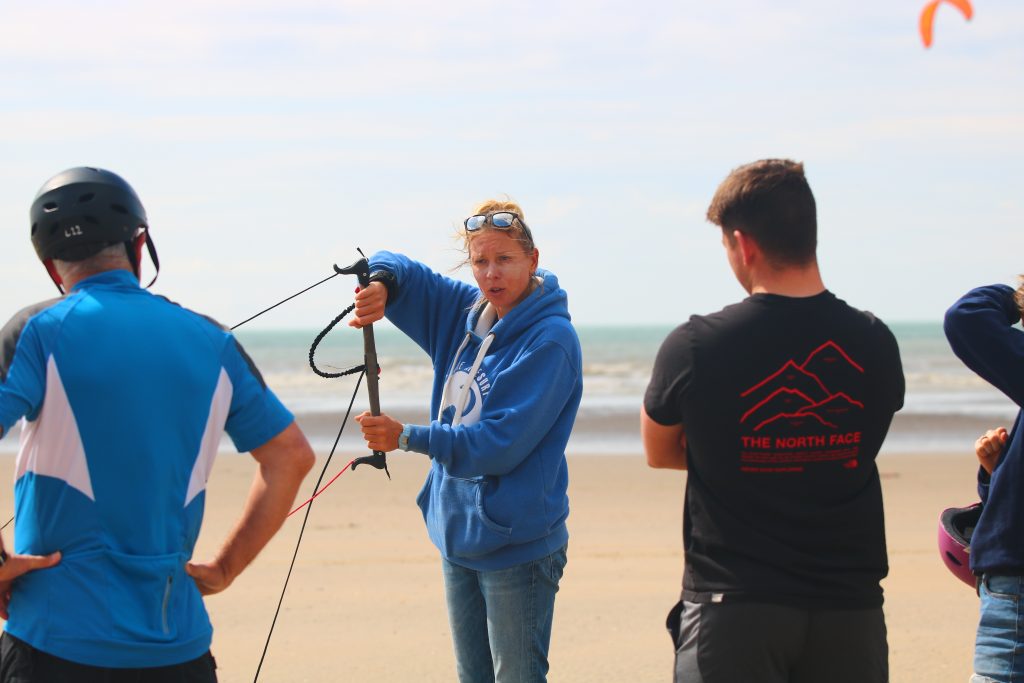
(361, 269)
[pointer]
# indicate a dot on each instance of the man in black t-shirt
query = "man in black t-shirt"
(776, 407)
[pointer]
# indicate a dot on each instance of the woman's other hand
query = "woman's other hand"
(381, 431)
(370, 302)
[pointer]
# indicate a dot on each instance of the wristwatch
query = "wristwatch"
(403, 439)
(3, 557)
(387, 279)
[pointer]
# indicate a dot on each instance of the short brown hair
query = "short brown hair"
(770, 201)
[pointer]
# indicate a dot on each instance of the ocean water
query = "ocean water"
(947, 407)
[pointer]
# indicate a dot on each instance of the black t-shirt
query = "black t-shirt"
(785, 403)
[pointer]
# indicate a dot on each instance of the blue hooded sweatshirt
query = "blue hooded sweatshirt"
(980, 329)
(504, 397)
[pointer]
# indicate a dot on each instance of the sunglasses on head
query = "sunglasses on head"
(502, 220)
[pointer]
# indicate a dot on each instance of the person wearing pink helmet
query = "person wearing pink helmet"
(982, 330)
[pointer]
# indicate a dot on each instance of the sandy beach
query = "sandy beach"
(366, 604)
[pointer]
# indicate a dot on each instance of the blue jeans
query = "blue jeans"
(501, 620)
(999, 647)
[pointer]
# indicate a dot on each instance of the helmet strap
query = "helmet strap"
(151, 248)
(134, 248)
(52, 270)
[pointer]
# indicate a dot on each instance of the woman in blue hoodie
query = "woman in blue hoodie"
(507, 384)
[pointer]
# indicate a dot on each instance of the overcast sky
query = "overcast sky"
(268, 139)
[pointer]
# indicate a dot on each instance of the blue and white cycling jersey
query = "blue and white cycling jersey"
(125, 396)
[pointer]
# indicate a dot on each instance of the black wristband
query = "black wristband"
(387, 279)
(3, 557)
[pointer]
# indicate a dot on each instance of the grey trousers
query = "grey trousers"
(765, 643)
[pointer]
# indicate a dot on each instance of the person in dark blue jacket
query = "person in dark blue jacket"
(981, 329)
(507, 384)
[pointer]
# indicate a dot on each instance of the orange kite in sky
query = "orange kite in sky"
(928, 16)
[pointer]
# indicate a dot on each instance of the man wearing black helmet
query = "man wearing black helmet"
(124, 397)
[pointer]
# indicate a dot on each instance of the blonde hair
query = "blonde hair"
(517, 230)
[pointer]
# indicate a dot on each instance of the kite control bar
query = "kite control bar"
(361, 269)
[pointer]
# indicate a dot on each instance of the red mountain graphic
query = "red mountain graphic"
(818, 389)
(835, 367)
(783, 400)
(790, 377)
(838, 404)
(796, 420)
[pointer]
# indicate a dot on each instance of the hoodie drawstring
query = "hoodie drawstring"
(463, 397)
(455, 362)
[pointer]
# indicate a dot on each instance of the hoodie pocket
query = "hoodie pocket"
(456, 519)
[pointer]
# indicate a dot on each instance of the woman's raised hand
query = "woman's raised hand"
(370, 302)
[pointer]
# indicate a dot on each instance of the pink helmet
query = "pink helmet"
(955, 528)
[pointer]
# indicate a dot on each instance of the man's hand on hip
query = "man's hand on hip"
(16, 565)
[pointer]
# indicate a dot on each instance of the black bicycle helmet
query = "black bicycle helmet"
(78, 212)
